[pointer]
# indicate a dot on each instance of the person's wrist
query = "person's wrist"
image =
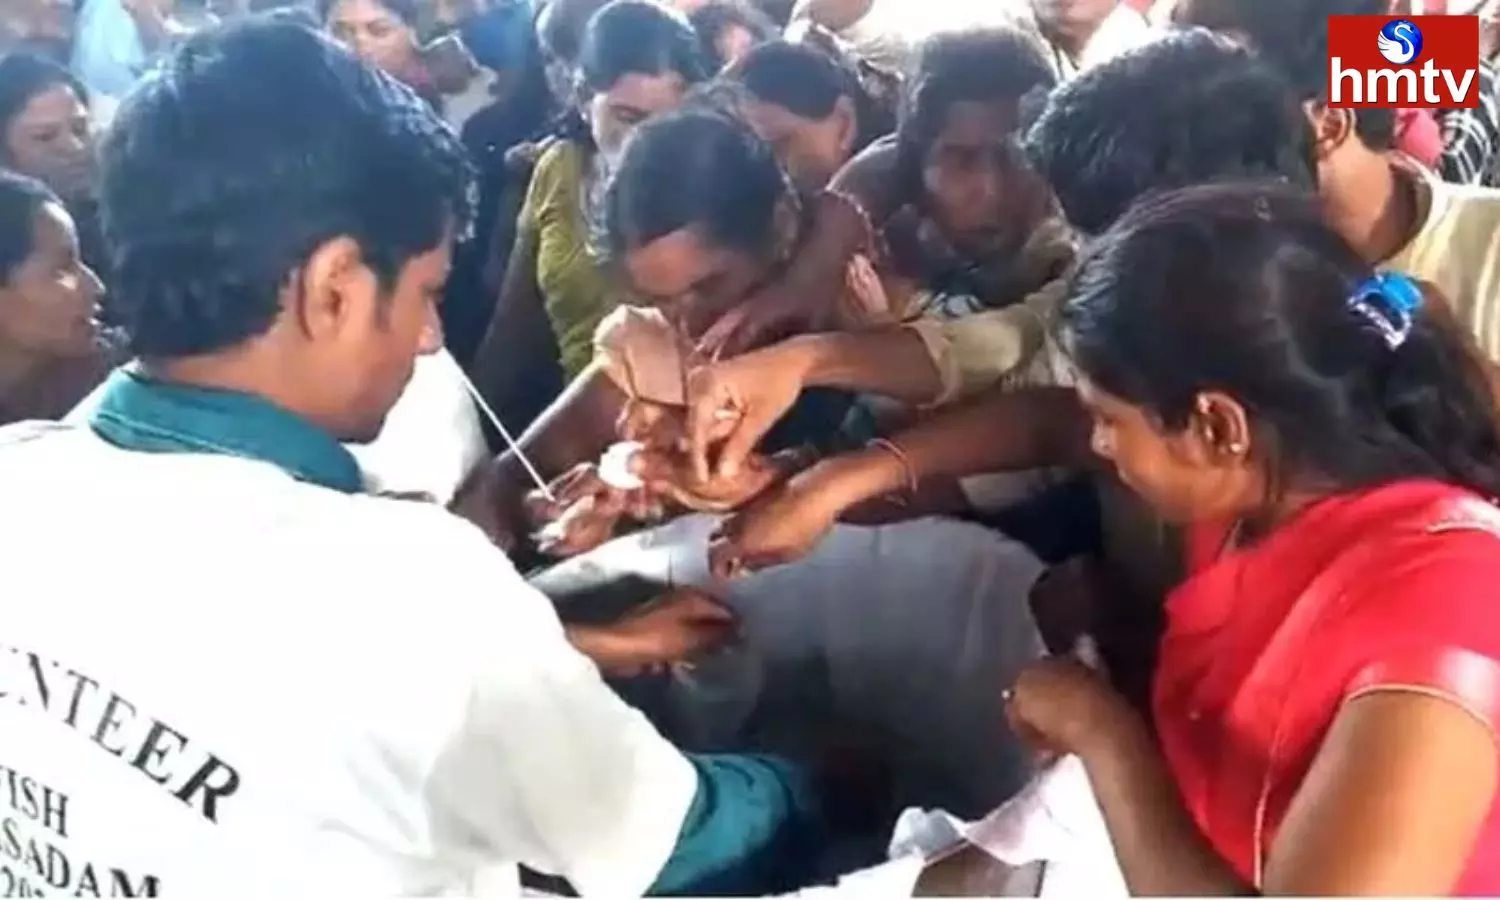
(1112, 733)
(841, 482)
(611, 647)
(801, 358)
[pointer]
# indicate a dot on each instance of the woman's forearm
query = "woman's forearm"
(1160, 850)
(996, 432)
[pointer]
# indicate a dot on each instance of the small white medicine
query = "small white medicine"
(614, 466)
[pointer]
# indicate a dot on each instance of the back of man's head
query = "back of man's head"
(1293, 36)
(247, 150)
(1189, 108)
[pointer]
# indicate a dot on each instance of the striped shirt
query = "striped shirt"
(1471, 137)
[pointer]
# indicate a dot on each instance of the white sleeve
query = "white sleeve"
(548, 766)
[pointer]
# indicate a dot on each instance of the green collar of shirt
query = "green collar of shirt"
(142, 414)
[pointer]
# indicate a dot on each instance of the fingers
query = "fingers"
(742, 441)
(699, 605)
(707, 401)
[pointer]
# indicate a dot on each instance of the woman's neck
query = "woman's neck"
(43, 387)
(1255, 526)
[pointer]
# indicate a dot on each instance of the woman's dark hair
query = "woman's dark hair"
(1188, 108)
(985, 66)
(638, 37)
(1243, 288)
(1293, 36)
(20, 198)
(408, 11)
(715, 18)
(560, 25)
(24, 75)
(808, 82)
(697, 167)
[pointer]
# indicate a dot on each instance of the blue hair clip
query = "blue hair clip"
(1389, 301)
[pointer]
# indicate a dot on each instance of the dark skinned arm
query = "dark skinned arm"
(1000, 430)
(576, 428)
(518, 305)
(799, 300)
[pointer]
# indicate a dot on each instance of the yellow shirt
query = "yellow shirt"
(575, 290)
(1458, 250)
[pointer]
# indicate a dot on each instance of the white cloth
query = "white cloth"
(1055, 820)
(218, 681)
(903, 635)
(430, 441)
(432, 437)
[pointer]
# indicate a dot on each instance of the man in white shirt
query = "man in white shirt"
(227, 670)
(1084, 33)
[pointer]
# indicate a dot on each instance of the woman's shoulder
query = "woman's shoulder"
(1422, 561)
(558, 169)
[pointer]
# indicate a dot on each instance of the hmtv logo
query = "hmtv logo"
(1427, 62)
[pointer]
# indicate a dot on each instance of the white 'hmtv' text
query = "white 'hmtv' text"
(1397, 87)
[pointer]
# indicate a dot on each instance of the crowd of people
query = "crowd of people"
(643, 446)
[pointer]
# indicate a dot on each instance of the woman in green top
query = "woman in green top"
(638, 59)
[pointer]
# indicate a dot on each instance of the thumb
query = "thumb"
(753, 424)
(706, 400)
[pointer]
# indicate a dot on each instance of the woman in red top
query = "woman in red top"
(1326, 697)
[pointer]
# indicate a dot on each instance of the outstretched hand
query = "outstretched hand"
(734, 403)
(782, 527)
(671, 630)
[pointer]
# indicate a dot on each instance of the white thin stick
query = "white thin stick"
(515, 448)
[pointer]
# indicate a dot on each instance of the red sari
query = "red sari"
(1395, 588)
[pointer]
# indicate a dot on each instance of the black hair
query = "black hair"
(23, 75)
(638, 37)
(408, 11)
(696, 167)
(20, 199)
(715, 18)
(981, 65)
(1293, 36)
(243, 152)
(1187, 108)
(560, 25)
(1244, 288)
(807, 81)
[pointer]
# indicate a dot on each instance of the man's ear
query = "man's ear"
(1331, 128)
(335, 289)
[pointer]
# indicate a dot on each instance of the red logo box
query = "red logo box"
(1431, 62)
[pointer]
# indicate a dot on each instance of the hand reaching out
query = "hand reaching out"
(782, 527)
(732, 404)
(679, 626)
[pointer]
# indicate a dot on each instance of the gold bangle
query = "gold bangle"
(908, 473)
